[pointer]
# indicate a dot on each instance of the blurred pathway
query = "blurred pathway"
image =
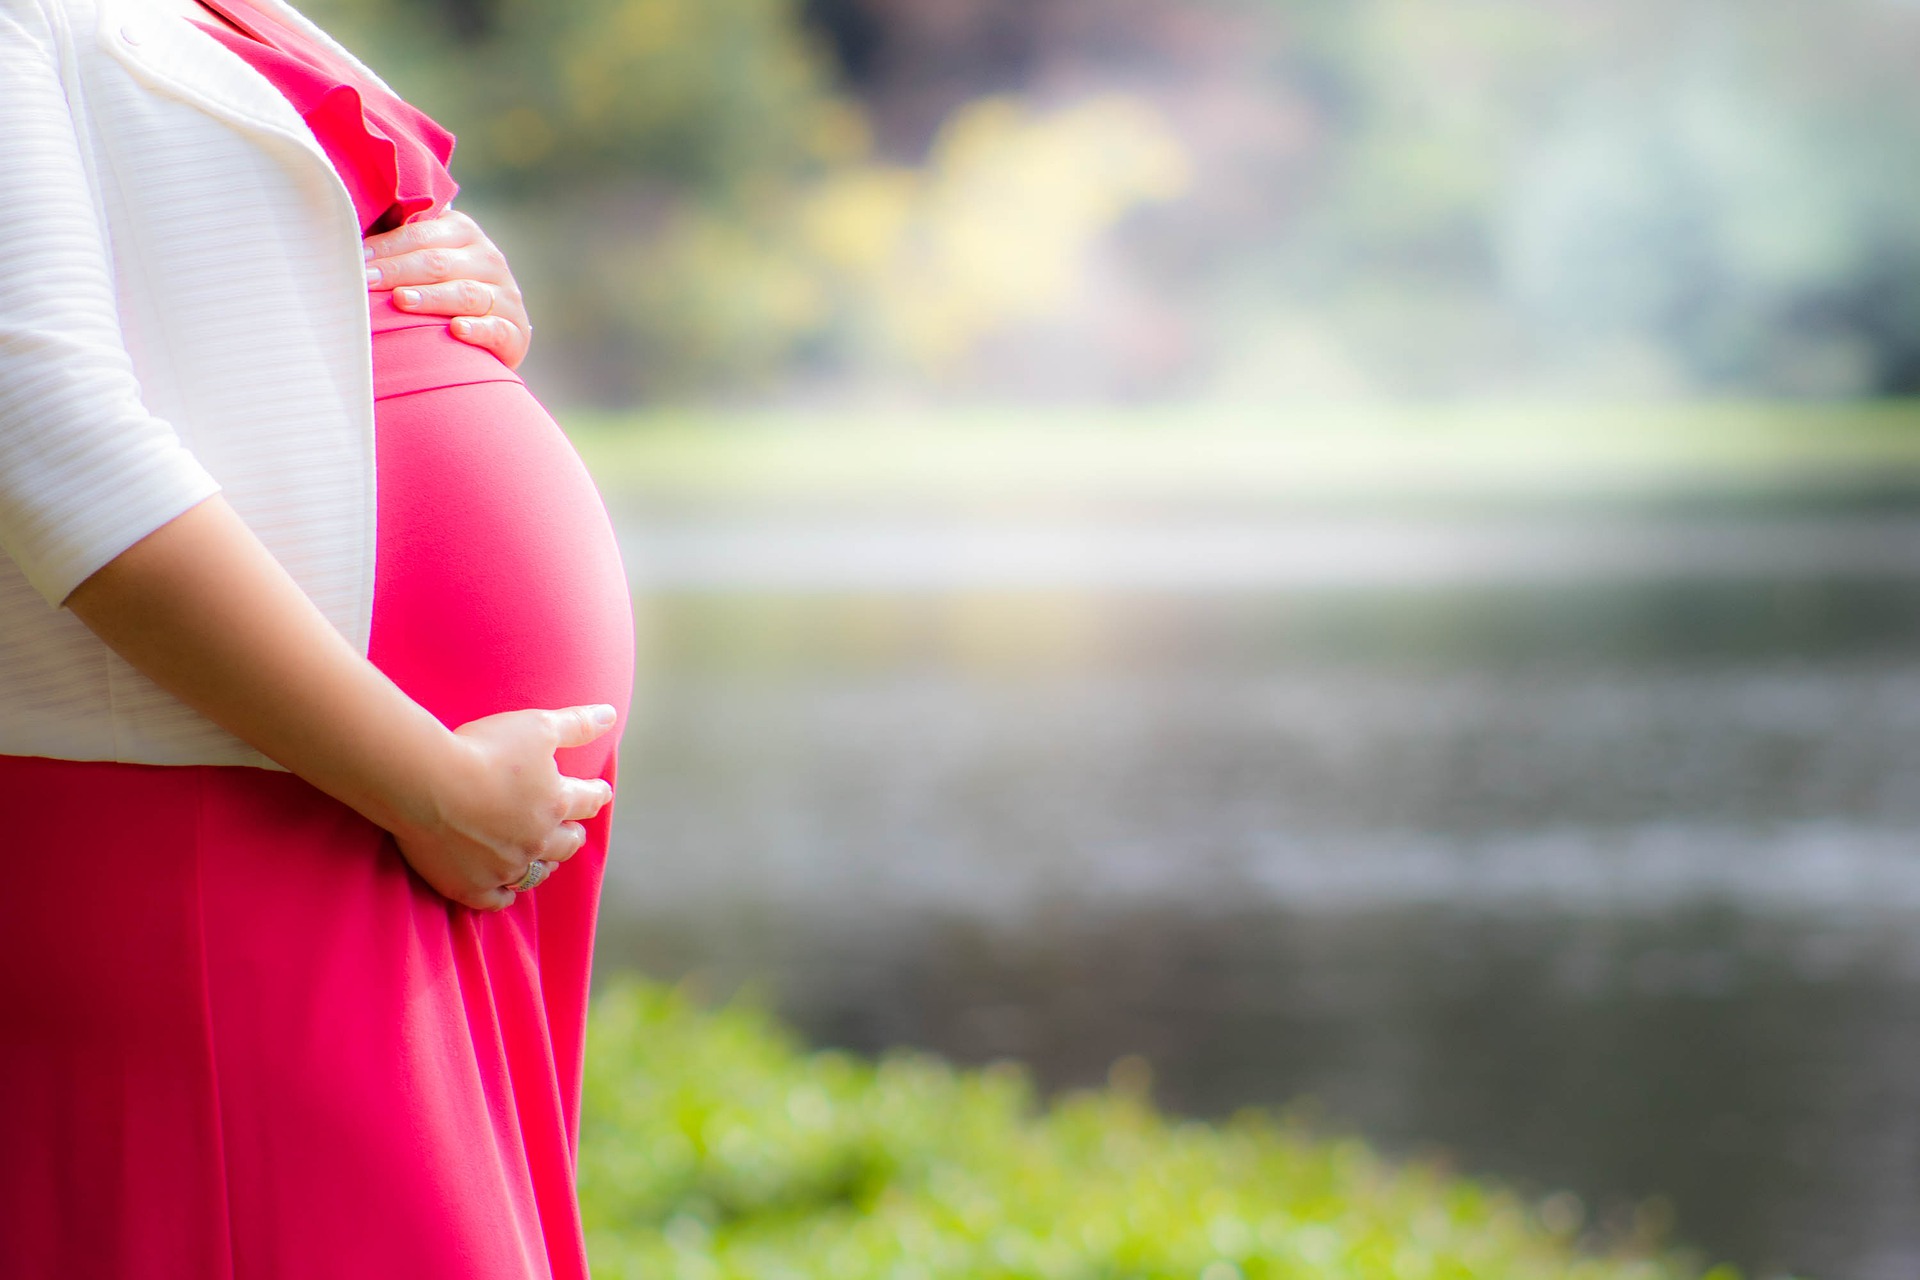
(1242, 554)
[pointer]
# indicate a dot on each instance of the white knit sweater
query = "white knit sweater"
(182, 310)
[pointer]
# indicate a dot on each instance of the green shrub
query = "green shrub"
(714, 1146)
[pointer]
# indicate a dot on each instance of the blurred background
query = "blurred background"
(1362, 551)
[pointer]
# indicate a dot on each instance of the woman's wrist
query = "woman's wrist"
(404, 782)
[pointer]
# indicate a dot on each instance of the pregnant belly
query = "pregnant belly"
(498, 582)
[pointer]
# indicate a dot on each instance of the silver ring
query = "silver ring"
(537, 871)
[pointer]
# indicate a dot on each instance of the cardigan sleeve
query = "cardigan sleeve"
(85, 470)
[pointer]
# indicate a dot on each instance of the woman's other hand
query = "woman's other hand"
(446, 266)
(504, 803)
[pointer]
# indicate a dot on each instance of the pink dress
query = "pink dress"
(242, 1039)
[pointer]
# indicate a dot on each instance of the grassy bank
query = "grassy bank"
(714, 1146)
(1479, 453)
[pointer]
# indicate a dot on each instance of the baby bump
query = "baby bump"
(498, 582)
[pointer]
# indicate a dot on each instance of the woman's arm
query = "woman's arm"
(204, 610)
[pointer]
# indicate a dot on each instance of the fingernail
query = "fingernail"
(407, 297)
(373, 275)
(604, 715)
(462, 326)
(366, 251)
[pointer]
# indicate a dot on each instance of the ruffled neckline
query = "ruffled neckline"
(392, 157)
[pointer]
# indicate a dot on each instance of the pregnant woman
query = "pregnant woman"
(314, 648)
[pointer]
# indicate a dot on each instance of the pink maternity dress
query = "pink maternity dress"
(241, 1038)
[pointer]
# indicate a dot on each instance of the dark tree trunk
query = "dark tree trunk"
(469, 20)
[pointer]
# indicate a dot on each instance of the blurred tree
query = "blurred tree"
(620, 146)
(1408, 197)
(699, 208)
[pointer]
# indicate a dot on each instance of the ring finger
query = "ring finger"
(532, 878)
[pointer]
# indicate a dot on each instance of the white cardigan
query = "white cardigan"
(182, 311)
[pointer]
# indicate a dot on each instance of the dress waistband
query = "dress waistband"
(413, 352)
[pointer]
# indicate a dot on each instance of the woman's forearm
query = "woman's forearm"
(204, 610)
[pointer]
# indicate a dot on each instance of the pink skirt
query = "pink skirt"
(242, 1038)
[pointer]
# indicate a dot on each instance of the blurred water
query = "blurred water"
(1580, 850)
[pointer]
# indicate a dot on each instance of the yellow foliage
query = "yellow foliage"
(857, 221)
(996, 228)
(916, 264)
(838, 132)
(521, 135)
(648, 26)
(592, 82)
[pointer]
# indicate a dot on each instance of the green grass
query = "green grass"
(714, 1146)
(1180, 455)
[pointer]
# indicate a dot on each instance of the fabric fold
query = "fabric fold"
(392, 157)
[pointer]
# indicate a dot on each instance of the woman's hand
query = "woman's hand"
(446, 266)
(503, 803)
